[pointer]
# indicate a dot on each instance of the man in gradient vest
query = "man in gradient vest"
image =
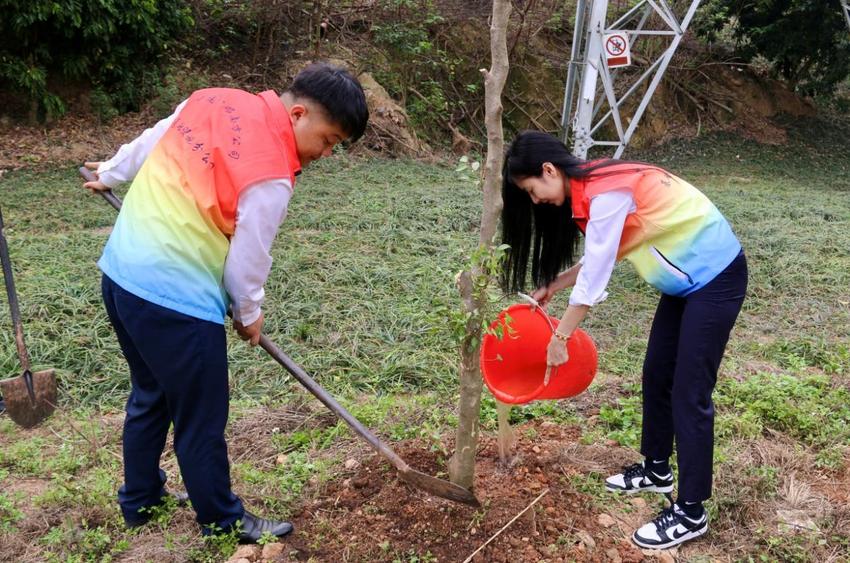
(210, 186)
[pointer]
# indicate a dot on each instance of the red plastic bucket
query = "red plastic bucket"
(513, 361)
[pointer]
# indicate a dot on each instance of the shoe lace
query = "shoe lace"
(667, 518)
(632, 471)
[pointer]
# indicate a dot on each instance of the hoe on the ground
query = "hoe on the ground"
(30, 397)
(432, 485)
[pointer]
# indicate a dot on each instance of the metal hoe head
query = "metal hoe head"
(438, 487)
(31, 397)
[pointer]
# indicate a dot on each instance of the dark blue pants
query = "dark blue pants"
(178, 370)
(686, 344)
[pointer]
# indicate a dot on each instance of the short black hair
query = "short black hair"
(336, 90)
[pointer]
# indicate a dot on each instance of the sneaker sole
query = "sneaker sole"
(673, 543)
(652, 489)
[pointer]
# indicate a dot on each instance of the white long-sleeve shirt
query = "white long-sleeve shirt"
(608, 212)
(260, 210)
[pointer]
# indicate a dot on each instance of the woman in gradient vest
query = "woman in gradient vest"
(679, 243)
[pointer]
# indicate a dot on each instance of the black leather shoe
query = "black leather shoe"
(253, 528)
(142, 518)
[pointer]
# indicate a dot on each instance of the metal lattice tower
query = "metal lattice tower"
(845, 8)
(589, 76)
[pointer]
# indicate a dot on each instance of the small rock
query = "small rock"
(351, 464)
(272, 551)
(605, 520)
(531, 554)
(638, 502)
(525, 538)
(550, 510)
(473, 531)
(536, 449)
(665, 556)
(613, 555)
(281, 459)
(561, 525)
(346, 483)
(514, 541)
(795, 520)
(249, 552)
(242, 560)
(586, 539)
(612, 443)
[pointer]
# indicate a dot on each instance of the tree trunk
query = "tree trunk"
(472, 283)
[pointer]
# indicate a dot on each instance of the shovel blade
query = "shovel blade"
(19, 405)
(438, 487)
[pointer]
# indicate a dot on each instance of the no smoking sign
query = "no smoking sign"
(617, 51)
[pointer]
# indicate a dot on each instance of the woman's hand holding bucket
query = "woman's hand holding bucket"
(564, 280)
(556, 355)
(543, 295)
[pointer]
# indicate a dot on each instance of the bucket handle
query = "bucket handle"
(533, 302)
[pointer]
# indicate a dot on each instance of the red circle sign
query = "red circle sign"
(615, 45)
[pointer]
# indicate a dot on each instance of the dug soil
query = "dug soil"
(372, 516)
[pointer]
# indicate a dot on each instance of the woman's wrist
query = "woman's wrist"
(562, 336)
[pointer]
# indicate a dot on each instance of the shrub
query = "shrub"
(113, 44)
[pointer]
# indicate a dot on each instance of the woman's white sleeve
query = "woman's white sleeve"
(129, 159)
(608, 212)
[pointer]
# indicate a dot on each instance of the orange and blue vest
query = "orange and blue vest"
(677, 240)
(171, 239)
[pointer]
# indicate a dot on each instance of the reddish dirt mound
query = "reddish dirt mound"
(375, 517)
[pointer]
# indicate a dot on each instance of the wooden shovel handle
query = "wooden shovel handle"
(14, 309)
(310, 384)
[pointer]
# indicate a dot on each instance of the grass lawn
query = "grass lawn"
(360, 293)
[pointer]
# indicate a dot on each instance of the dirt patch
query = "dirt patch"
(250, 437)
(149, 544)
(372, 516)
(29, 488)
(72, 139)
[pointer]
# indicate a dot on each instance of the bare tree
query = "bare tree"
(473, 282)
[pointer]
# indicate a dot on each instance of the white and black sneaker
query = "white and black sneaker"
(670, 528)
(636, 478)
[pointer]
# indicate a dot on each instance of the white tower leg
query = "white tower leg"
(589, 76)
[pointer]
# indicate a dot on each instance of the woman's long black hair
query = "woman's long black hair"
(551, 228)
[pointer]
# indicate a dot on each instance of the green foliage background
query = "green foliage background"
(807, 42)
(116, 45)
(425, 53)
